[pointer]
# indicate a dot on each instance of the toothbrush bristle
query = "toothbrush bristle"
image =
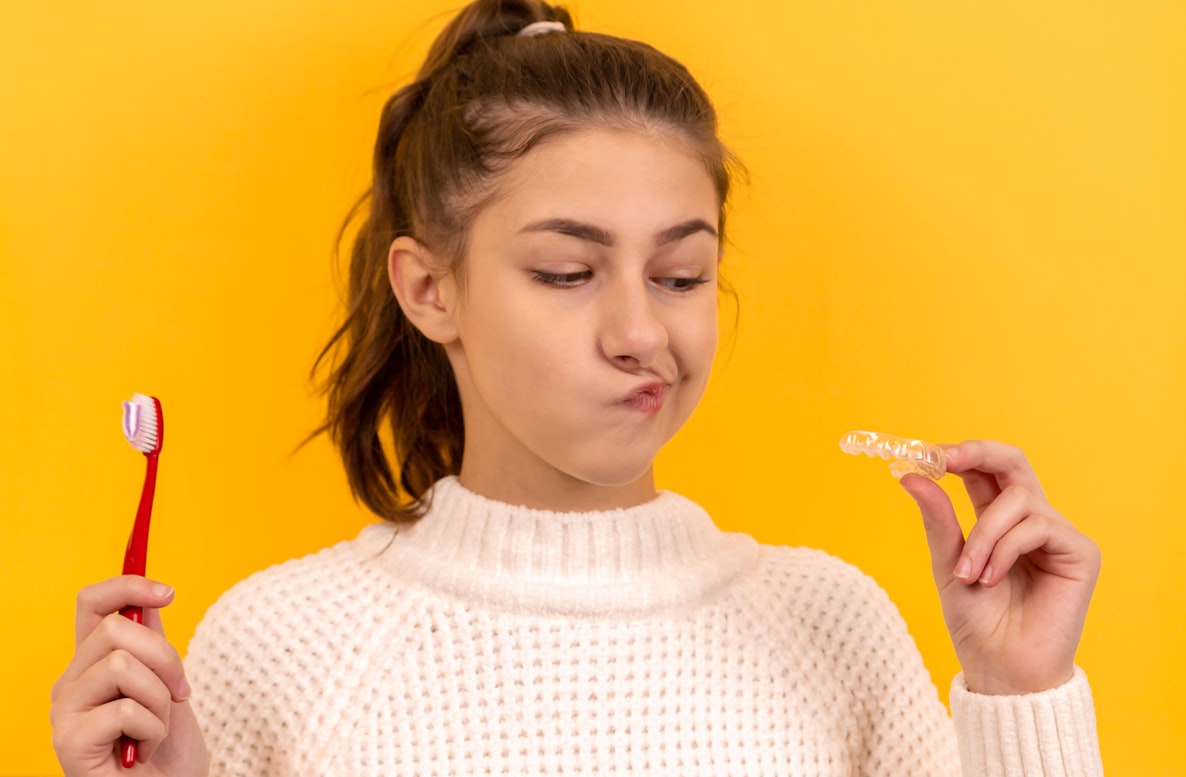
(141, 424)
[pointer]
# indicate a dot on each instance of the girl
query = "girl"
(532, 316)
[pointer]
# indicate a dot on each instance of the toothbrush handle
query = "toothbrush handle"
(135, 559)
(136, 556)
(127, 752)
(134, 614)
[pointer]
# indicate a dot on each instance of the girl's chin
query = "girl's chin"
(614, 468)
(610, 481)
(586, 472)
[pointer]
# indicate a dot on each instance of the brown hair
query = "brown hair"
(484, 97)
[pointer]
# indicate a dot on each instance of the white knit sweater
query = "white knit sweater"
(495, 640)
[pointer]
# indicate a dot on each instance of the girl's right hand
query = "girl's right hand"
(125, 678)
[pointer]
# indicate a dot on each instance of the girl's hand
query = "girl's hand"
(1015, 593)
(115, 657)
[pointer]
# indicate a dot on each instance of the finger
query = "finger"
(988, 467)
(92, 735)
(1051, 544)
(944, 535)
(982, 488)
(120, 674)
(1028, 536)
(1013, 506)
(148, 647)
(97, 601)
(146, 748)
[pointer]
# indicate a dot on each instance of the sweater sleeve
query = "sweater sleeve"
(278, 662)
(1051, 733)
(905, 727)
(261, 660)
(232, 690)
(838, 624)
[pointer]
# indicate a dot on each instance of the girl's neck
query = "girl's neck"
(631, 562)
(554, 490)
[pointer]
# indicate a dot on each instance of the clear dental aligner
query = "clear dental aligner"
(905, 456)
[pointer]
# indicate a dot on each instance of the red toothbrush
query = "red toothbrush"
(144, 426)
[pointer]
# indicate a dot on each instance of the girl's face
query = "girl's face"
(587, 321)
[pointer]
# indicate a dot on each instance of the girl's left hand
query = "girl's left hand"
(1015, 593)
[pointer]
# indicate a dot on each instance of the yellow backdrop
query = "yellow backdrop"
(964, 220)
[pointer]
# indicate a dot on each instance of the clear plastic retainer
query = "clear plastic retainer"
(905, 456)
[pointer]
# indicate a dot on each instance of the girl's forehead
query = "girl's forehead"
(606, 172)
(597, 146)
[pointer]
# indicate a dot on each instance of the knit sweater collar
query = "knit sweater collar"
(662, 554)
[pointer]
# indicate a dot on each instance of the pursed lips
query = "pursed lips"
(647, 398)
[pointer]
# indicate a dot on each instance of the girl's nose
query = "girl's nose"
(632, 331)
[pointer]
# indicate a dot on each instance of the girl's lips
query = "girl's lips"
(648, 398)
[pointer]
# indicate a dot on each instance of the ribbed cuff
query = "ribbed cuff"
(1051, 733)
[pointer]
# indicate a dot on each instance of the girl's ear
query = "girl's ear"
(424, 287)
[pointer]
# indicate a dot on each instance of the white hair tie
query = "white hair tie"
(541, 28)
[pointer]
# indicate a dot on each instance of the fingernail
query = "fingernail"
(963, 570)
(162, 590)
(184, 689)
(951, 452)
(987, 574)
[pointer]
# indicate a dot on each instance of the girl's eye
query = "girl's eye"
(561, 279)
(681, 284)
(566, 280)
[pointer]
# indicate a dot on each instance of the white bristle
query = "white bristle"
(140, 423)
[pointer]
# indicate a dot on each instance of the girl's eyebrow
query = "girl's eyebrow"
(680, 231)
(594, 234)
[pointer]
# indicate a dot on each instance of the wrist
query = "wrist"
(994, 684)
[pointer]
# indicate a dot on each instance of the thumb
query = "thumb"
(944, 535)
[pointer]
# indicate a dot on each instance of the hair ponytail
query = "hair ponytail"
(482, 99)
(388, 371)
(481, 22)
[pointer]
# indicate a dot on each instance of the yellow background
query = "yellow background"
(965, 219)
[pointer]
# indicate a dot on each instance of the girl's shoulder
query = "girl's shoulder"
(813, 585)
(302, 592)
(265, 651)
(813, 567)
(808, 603)
(328, 567)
